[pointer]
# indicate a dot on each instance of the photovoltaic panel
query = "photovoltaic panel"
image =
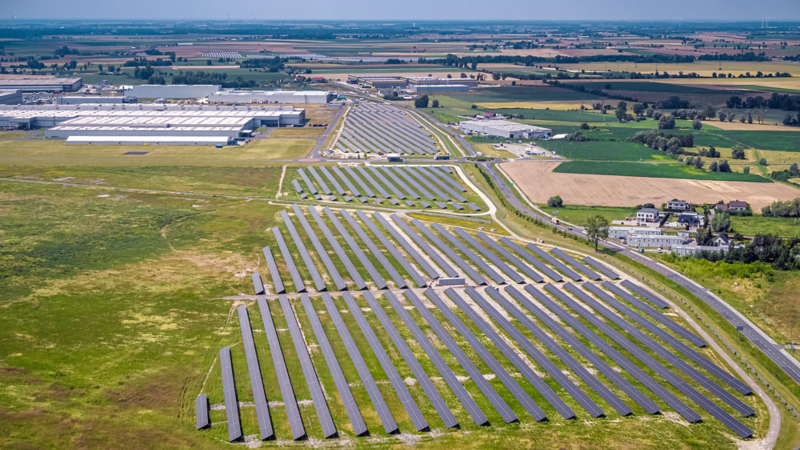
(413, 173)
(709, 406)
(310, 374)
(377, 173)
(360, 183)
(347, 182)
(367, 176)
(425, 204)
(303, 196)
(388, 367)
(348, 199)
(411, 181)
(457, 206)
(486, 253)
(592, 275)
(392, 201)
(671, 357)
(307, 181)
(468, 270)
(301, 248)
(473, 206)
(285, 383)
(254, 370)
(561, 355)
(422, 262)
(647, 295)
(445, 172)
(584, 351)
(410, 203)
(201, 411)
(231, 400)
(441, 205)
(470, 254)
(510, 256)
(322, 253)
(516, 390)
(652, 312)
(398, 182)
(380, 283)
(334, 181)
(392, 249)
(488, 391)
(363, 199)
(287, 257)
(297, 187)
(389, 424)
(319, 180)
(346, 396)
(277, 284)
(441, 181)
(552, 274)
(258, 285)
(423, 244)
(554, 262)
(348, 264)
(374, 250)
(601, 267)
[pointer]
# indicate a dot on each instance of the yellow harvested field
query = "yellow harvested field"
(767, 126)
(538, 182)
(556, 106)
(704, 68)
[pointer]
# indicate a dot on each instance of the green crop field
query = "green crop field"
(653, 171)
(603, 150)
(649, 86)
(579, 214)
(752, 225)
(523, 93)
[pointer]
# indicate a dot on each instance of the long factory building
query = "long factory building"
(40, 83)
(149, 120)
(505, 129)
(214, 94)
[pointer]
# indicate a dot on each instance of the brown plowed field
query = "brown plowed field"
(538, 182)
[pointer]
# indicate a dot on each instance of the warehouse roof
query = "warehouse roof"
(501, 125)
(148, 139)
(37, 81)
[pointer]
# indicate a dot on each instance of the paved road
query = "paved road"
(754, 334)
(328, 131)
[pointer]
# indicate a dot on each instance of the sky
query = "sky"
(384, 10)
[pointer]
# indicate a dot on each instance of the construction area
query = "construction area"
(403, 326)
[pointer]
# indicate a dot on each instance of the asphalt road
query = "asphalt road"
(757, 337)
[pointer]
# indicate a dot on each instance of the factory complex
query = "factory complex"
(504, 129)
(412, 84)
(152, 121)
(213, 93)
(40, 83)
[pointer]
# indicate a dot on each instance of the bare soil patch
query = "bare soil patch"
(538, 182)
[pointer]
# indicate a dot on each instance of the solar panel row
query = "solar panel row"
(258, 285)
(374, 250)
(254, 370)
(360, 183)
(647, 295)
(297, 187)
(319, 180)
(500, 264)
(334, 182)
(201, 411)
(348, 264)
(422, 262)
(309, 373)
(554, 262)
(601, 267)
(526, 269)
(299, 286)
(354, 190)
(375, 396)
(307, 181)
(592, 275)
(552, 274)
(468, 270)
(478, 261)
(390, 247)
(346, 396)
(488, 391)
(229, 391)
(277, 284)
(285, 383)
(380, 283)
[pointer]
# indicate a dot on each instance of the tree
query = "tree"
(435, 103)
(722, 116)
(696, 124)
(762, 161)
(721, 222)
(738, 152)
(421, 102)
(714, 166)
(596, 228)
(638, 109)
(667, 122)
(698, 163)
(746, 169)
(555, 202)
(704, 237)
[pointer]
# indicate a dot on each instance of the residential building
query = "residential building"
(647, 215)
(737, 206)
(624, 232)
(691, 220)
(689, 250)
(678, 205)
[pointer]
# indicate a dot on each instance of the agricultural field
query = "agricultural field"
(539, 181)
(297, 133)
(670, 170)
(602, 151)
(578, 215)
(750, 226)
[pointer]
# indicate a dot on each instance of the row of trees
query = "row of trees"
(789, 208)
(658, 140)
(769, 249)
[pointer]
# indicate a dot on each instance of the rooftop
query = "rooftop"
(36, 81)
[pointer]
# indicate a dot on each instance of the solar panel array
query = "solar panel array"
(431, 250)
(229, 390)
(372, 128)
(201, 411)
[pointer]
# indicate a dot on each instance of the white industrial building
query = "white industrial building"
(288, 97)
(505, 129)
(662, 241)
(432, 88)
(171, 90)
(40, 83)
(95, 99)
(149, 120)
(625, 232)
(10, 97)
(147, 140)
(434, 81)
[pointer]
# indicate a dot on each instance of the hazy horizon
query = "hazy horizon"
(419, 10)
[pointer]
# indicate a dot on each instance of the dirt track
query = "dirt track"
(539, 183)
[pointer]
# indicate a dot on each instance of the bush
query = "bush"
(696, 124)
(435, 104)
(789, 208)
(738, 152)
(667, 122)
(555, 202)
(421, 102)
(721, 222)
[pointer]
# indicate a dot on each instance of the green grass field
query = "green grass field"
(523, 93)
(58, 153)
(579, 214)
(653, 171)
(752, 225)
(603, 151)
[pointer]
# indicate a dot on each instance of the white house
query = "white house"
(647, 215)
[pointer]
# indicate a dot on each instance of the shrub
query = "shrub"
(555, 202)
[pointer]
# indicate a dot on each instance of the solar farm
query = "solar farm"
(411, 328)
(394, 186)
(373, 128)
